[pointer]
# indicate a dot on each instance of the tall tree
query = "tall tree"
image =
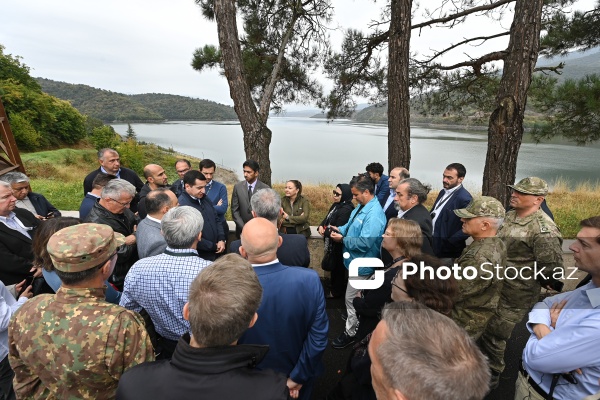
(270, 64)
(505, 131)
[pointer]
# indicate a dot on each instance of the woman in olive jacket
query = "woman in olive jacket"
(296, 210)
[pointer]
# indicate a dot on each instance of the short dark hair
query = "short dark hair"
(592, 222)
(101, 180)
(375, 168)
(207, 163)
(183, 160)
(253, 165)
(362, 183)
(73, 278)
(157, 199)
(461, 171)
(191, 176)
(416, 188)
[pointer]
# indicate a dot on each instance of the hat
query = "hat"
(84, 246)
(532, 185)
(482, 206)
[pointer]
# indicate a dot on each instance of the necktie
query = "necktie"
(249, 191)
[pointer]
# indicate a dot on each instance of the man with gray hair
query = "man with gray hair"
(408, 362)
(410, 196)
(160, 284)
(113, 210)
(110, 163)
(150, 241)
(35, 203)
(266, 203)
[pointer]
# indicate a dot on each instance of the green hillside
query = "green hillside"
(112, 107)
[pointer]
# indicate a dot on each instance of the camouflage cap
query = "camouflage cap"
(482, 206)
(84, 246)
(532, 185)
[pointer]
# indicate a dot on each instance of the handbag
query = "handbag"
(328, 260)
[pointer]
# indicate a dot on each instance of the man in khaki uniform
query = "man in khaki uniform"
(478, 298)
(532, 240)
(75, 344)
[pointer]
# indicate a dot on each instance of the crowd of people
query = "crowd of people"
(144, 296)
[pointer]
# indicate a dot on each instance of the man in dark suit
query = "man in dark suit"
(150, 240)
(396, 176)
(410, 194)
(375, 171)
(194, 195)
(181, 166)
(448, 237)
(16, 232)
(241, 210)
(293, 320)
(110, 163)
(35, 203)
(293, 251)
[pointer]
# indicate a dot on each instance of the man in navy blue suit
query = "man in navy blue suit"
(448, 237)
(293, 320)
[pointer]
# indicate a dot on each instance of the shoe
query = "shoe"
(344, 340)
(344, 315)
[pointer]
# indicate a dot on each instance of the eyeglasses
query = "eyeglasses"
(336, 194)
(123, 204)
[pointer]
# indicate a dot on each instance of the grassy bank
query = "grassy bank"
(59, 176)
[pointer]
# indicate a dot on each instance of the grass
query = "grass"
(58, 175)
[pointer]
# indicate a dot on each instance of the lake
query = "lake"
(316, 151)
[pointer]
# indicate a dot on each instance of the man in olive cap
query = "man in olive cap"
(75, 344)
(478, 298)
(532, 241)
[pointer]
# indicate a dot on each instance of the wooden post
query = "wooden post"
(10, 159)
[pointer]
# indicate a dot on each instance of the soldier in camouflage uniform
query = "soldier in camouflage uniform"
(530, 237)
(478, 298)
(75, 345)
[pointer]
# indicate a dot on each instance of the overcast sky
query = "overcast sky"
(135, 46)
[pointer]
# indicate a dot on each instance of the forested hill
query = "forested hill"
(111, 106)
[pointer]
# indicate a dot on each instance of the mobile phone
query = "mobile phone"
(28, 281)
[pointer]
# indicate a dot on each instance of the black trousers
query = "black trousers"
(6, 379)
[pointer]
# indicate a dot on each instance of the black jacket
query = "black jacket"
(125, 174)
(142, 202)
(292, 252)
(42, 205)
(420, 215)
(226, 373)
(212, 232)
(127, 254)
(15, 249)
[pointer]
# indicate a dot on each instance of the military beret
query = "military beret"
(532, 185)
(82, 247)
(482, 206)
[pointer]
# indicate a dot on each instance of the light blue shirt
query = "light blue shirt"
(362, 233)
(160, 285)
(574, 343)
(8, 306)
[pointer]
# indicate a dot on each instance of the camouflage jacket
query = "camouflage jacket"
(478, 298)
(534, 238)
(74, 345)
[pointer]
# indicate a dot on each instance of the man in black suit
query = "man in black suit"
(448, 237)
(241, 210)
(110, 163)
(35, 203)
(181, 166)
(16, 232)
(194, 195)
(396, 175)
(293, 251)
(410, 194)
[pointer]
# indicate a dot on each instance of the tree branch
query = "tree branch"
(484, 38)
(451, 17)
(476, 63)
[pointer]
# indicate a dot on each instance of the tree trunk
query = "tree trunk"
(257, 137)
(505, 130)
(398, 94)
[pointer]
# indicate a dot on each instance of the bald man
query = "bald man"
(293, 320)
(156, 177)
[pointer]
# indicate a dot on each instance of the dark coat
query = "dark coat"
(420, 215)
(42, 205)
(177, 187)
(125, 174)
(127, 254)
(293, 250)
(142, 202)
(382, 189)
(209, 373)
(15, 249)
(86, 205)
(448, 237)
(212, 232)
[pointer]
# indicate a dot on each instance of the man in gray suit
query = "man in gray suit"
(241, 210)
(150, 240)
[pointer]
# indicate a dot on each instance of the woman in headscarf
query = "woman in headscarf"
(333, 261)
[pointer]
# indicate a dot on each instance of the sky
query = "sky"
(135, 46)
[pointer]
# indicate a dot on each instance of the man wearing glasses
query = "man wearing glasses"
(181, 166)
(113, 210)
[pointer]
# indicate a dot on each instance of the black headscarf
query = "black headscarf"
(346, 198)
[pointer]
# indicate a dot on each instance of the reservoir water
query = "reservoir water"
(316, 151)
